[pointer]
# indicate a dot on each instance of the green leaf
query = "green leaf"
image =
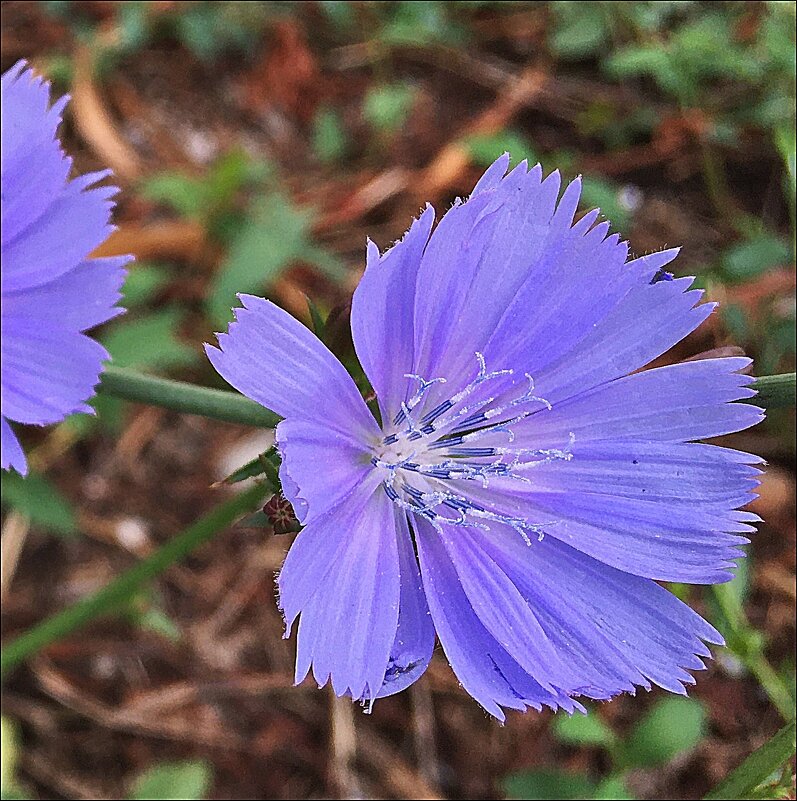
(755, 256)
(211, 28)
(583, 730)
(547, 785)
(180, 192)
(413, 23)
(329, 136)
(735, 318)
(387, 107)
(144, 610)
(786, 141)
(249, 470)
(486, 148)
(580, 31)
(758, 767)
(612, 788)
(59, 69)
(275, 234)
(316, 318)
(38, 500)
(256, 520)
(210, 198)
(324, 260)
(578, 41)
(679, 590)
(674, 726)
(149, 342)
(739, 586)
(229, 174)
(339, 12)
(264, 464)
(143, 281)
(158, 622)
(132, 24)
(189, 780)
(9, 754)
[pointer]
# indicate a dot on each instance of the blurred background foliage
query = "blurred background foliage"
(257, 145)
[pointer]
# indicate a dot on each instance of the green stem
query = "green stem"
(114, 595)
(751, 653)
(772, 684)
(776, 391)
(219, 404)
(758, 767)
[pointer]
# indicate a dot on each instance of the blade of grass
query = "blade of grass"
(755, 770)
(114, 595)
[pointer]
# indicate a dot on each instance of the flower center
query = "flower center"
(430, 453)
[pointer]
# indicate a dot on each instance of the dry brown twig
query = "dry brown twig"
(343, 746)
(452, 161)
(394, 773)
(59, 778)
(424, 730)
(197, 723)
(16, 526)
(95, 123)
(180, 240)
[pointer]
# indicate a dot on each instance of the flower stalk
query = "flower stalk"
(774, 392)
(181, 396)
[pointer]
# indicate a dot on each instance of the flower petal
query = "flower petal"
(493, 175)
(481, 664)
(678, 403)
(11, 453)
(577, 293)
(75, 223)
(477, 259)
(412, 649)
(503, 611)
(342, 576)
(270, 357)
(688, 475)
(382, 314)
(616, 629)
(34, 169)
(68, 300)
(664, 510)
(47, 371)
(650, 539)
(504, 261)
(663, 314)
(325, 466)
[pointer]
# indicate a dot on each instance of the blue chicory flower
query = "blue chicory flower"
(527, 487)
(51, 290)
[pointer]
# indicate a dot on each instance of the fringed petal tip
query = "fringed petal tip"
(12, 457)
